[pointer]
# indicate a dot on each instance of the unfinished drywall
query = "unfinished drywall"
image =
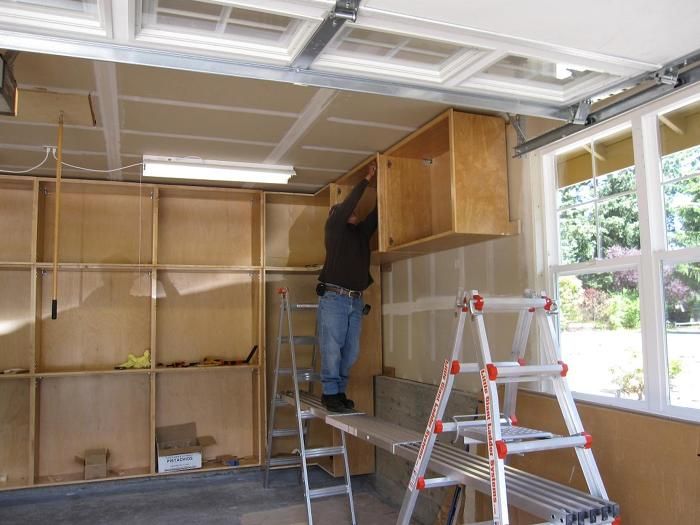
(418, 337)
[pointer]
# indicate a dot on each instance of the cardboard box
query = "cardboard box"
(94, 463)
(179, 448)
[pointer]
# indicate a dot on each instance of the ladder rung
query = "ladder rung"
(284, 432)
(537, 445)
(323, 452)
(526, 372)
(286, 460)
(300, 340)
(307, 414)
(303, 374)
(432, 483)
(303, 306)
(328, 491)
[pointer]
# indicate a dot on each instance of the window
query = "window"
(598, 220)
(624, 257)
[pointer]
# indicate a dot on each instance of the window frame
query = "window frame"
(654, 252)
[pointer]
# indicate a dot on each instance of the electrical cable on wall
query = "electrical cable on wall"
(30, 169)
(53, 151)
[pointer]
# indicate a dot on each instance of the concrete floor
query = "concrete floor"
(231, 498)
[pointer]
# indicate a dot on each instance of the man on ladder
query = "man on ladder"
(345, 275)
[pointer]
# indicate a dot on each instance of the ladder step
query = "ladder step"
(303, 306)
(285, 460)
(285, 432)
(328, 491)
(323, 452)
(300, 340)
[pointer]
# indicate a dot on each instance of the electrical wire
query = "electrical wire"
(96, 171)
(30, 169)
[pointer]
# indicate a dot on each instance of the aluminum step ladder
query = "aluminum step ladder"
(278, 400)
(500, 431)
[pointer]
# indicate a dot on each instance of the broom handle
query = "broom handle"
(57, 218)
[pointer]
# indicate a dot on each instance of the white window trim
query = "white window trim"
(645, 131)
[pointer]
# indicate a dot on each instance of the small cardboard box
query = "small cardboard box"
(179, 448)
(94, 463)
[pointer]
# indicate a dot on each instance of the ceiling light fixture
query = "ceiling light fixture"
(190, 168)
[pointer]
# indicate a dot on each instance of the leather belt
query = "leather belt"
(342, 291)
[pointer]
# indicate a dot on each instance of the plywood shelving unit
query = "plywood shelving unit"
(173, 270)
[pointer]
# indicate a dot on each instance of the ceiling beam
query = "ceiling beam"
(108, 107)
(54, 45)
(314, 108)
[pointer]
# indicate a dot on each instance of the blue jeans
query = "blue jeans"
(339, 325)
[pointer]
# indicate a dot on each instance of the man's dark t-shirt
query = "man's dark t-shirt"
(347, 245)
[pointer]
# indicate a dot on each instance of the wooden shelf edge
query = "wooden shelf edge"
(163, 369)
(78, 373)
(294, 269)
(206, 268)
(8, 265)
(97, 266)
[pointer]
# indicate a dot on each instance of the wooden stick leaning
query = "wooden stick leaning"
(59, 166)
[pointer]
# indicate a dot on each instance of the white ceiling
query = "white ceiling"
(501, 49)
(646, 30)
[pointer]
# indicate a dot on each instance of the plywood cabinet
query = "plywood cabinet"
(443, 186)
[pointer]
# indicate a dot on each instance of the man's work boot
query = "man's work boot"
(349, 403)
(334, 403)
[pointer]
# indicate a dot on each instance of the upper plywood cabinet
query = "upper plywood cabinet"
(445, 185)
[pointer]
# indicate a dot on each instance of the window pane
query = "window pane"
(575, 177)
(616, 182)
(600, 333)
(619, 226)
(682, 306)
(576, 193)
(679, 133)
(577, 234)
(516, 67)
(681, 163)
(682, 204)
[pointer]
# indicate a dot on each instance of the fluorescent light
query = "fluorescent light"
(215, 170)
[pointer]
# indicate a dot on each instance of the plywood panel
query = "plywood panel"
(649, 465)
(218, 401)
(16, 221)
(79, 413)
(407, 216)
(481, 174)
(202, 314)
(16, 319)
(208, 228)
(99, 223)
(14, 432)
(102, 317)
(294, 230)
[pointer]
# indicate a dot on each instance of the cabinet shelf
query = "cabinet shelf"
(207, 268)
(77, 477)
(95, 372)
(312, 269)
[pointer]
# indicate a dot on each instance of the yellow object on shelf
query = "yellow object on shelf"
(132, 361)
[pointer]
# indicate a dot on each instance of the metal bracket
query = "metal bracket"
(517, 123)
(667, 77)
(580, 112)
(343, 11)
